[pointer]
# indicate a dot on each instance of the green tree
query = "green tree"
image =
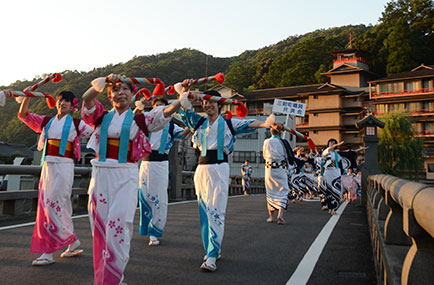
(398, 150)
(318, 74)
(241, 75)
(400, 44)
(409, 21)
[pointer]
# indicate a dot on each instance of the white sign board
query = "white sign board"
(289, 107)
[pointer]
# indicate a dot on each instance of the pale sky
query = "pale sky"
(47, 36)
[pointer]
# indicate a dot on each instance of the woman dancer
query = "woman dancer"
(333, 163)
(60, 143)
(214, 137)
(154, 179)
(120, 140)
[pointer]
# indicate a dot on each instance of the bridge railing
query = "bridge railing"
(17, 203)
(401, 217)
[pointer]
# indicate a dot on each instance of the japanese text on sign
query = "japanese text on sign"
(289, 107)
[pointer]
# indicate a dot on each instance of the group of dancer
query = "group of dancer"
(292, 175)
(121, 137)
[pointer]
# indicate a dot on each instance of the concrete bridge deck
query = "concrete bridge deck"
(253, 252)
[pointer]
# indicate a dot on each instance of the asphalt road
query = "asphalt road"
(253, 252)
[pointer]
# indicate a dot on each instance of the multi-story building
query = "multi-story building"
(410, 92)
(332, 108)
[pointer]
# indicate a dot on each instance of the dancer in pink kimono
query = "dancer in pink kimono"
(60, 143)
(120, 140)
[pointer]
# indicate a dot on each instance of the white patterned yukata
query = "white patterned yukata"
(211, 178)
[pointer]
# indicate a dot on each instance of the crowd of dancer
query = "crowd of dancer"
(121, 138)
(292, 175)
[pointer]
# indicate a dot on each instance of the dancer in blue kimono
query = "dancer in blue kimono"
(154, 179)
(246, 171)
(214, 137)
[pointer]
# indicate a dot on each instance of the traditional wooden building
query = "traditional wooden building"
(332, 108)
(410, 92)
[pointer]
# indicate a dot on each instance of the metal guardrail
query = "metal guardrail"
(24, 202)
(35, 170)
(401, 217)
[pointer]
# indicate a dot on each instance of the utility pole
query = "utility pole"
(206, 69)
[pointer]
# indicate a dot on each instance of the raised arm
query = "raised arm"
(88, 97)
(186, 84)
(140, 107)
(172, 108)
(332, 148)
(95, 90)
(259, 124)
(24, 108)
(361, 148)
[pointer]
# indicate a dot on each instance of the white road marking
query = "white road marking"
(306, 266)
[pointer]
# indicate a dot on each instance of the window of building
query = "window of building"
(397, 86)
(428, 85)
(267, 133)
(315, 96)
(315, 132)
(414, 106)
(248, 136)
(430, 167)
(382, 108)
(267, 108)
(391, 87)
(409, 86)
(397, 107)
(241, 156)
(315, 114)
(301, 120)
(251, 106)
(261, 157)
(429, 128)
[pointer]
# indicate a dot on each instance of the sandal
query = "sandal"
(281, 221)
(154, 242)
(270, 220)
(208, 267)
(42, 261)
(71, 253)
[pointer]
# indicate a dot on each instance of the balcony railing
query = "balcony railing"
(411, 112)
(425, 133)
(401, 92)
(256, 111)
(302, 125)
(347, 59)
